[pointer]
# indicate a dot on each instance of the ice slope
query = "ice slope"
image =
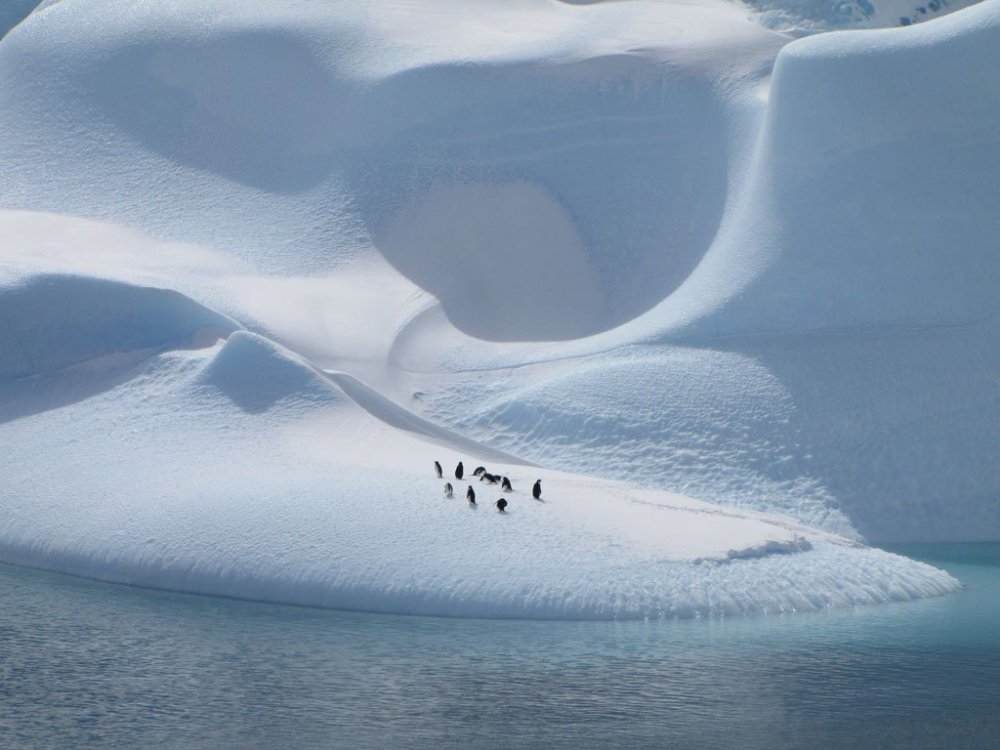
(838, 349)
(872, 183)
(312, 135)
(55, 322)
(241, 470)
(13, 12)
(601, 238)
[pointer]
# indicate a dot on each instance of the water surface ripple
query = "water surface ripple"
(85, 664)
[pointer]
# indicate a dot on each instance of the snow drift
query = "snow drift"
(55, 322)
(339, 508)
(602, 244)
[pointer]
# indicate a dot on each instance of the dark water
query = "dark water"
(89, 665)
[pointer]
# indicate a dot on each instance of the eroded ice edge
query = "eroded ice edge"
(281, 259)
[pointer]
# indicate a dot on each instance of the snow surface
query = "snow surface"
(262, 264)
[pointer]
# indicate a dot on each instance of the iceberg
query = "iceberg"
(728, 293)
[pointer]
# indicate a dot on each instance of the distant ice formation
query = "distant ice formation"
(732, 296)
(802, 17)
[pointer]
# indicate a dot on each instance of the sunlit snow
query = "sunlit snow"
(731, 296)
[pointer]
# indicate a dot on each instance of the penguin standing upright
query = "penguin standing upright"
(505, 485)
(437, 468)
(470, 495)
(536, 491)
(449, 491)
(459, 471)
(502, 505)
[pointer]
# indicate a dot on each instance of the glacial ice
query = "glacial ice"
(260, 266)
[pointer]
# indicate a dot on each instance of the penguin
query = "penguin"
(536, 491)
(437, 468)
(459, 470)
(470, 495)
(449, 491)
(489, 478)
(505, 485)
(480, 470)
(502, 505)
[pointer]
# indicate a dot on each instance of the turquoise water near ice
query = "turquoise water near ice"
(91, 665)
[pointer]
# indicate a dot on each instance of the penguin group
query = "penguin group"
(484, 476)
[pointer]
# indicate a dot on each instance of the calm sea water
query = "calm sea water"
(90, 665)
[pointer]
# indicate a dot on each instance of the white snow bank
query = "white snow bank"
(13, 12)
(714, 425)
(300, 137)
(835, 352)
(256, 376)
(871, 187)
(52, 322)
(336, 508)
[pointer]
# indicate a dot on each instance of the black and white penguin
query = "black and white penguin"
(449, 491)
(480, 470)
(470, 495)
(505, 485)
(437, 468)
(489, 478)
(502, 505)
(459, 471)
(536, 491)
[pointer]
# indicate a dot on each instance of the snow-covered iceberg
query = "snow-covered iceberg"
(261, 265)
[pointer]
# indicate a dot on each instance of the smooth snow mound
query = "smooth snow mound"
(52, 322)
(338, 508)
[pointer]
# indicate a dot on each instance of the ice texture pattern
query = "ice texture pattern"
(729, 294)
